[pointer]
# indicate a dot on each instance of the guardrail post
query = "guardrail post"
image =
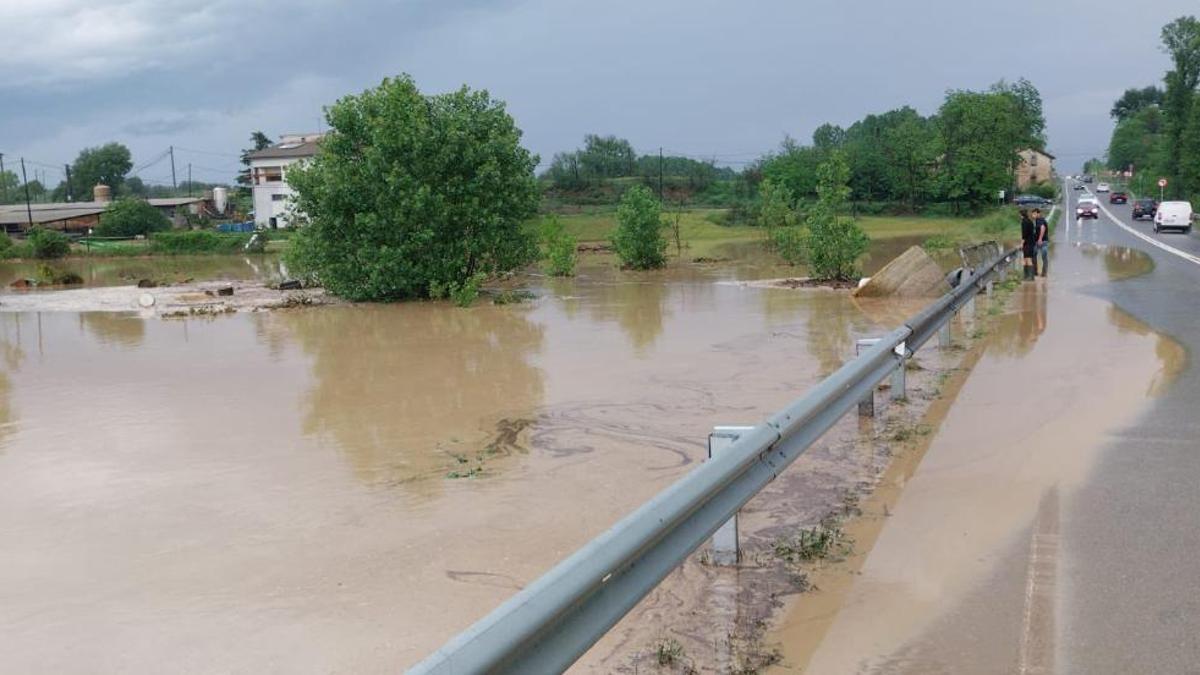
(866, 407)
(944, 334)
(900, 376)
(968, 278)
(990, 283)
(724, 548)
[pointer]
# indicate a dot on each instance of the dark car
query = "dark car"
(1118, 197)
(1144, 208)
(1030, 200)
(1080, 186)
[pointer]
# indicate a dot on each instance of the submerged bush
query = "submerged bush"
(639, 240)
(560, 248)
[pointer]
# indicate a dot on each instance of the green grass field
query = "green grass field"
(699, 228)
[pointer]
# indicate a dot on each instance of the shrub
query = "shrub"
(198, 241)
(463, 293)
(130, 218)
(410, 193)
(834, 243)
(560, 248)
(47, 244)
(6, 243)
(638, 239)
(790, 243)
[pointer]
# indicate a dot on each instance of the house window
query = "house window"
(1033, 159)
(278, 197)
(270, 174)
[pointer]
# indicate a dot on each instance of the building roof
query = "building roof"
(11, 216)
(1040, 152)
(288, 149)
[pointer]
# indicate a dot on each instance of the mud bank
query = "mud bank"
(187, 299)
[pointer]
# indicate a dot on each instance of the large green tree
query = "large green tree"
(258, 141)
(980, 135)
(1028, 102)
(911, 147)
(1135, 100)
(411, 195)
(103, 165)
(1181, 41)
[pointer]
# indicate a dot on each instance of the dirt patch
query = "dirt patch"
(179, 300)
(808, 282)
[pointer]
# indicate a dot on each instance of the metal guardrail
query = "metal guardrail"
(553, 621)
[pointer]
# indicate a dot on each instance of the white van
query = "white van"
(1173, 215)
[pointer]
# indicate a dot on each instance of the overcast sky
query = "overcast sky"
(716, 79)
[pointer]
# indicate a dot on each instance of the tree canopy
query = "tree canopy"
(106, 164)
(413, 195)
(131, 217)
(1135, 100)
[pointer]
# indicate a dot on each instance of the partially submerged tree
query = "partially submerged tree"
(638, 239)
(411, 194)
(834, 242)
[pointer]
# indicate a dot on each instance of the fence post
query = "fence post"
(724, 548)
(866, 407)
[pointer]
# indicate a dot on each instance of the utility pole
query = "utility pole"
(660, 174)
(189, 179)
(172, 151)
(25, 179)
(3, 184)
(67, 170)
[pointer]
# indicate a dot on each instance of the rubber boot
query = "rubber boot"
(1029, 273)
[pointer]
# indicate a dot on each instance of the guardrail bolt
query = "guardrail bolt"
(724, 549)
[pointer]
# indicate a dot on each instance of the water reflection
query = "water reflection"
(1172, 357)
(114, 328)
(637, 306)
(404, 389)
(12, 355)
(1017, 334)
(1121, 262)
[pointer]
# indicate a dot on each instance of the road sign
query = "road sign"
(1162, 182)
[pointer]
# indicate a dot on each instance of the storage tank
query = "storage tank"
(220, 198)
(102, 193)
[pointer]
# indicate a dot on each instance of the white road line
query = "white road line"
(1144, 237)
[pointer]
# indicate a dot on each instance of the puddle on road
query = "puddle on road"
(1029, 420)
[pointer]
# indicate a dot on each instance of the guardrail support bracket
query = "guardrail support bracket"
(866, 407)
(944, 334)
(725, 549)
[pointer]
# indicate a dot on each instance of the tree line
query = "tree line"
(1157, 131)
(961, 156)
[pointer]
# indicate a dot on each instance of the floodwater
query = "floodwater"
(962, 575)
(344, 488)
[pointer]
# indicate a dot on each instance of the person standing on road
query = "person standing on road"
(1041, 242)
(1028, 244)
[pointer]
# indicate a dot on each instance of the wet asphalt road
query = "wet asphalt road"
(1130, 535)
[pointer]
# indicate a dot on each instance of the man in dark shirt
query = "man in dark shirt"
(1028, 244)
(1041, 241)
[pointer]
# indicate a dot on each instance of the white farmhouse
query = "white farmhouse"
(268, 177)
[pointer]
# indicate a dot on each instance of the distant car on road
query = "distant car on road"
(1144, 208)
(1080, 186)
(1031, 200)
(1102, 187)
(1087, 207)
(1174, 216)
(1118, 197)
(1086, 178)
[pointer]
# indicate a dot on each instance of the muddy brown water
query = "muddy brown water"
(273, 492)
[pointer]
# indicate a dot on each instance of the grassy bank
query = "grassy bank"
(701, 229)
